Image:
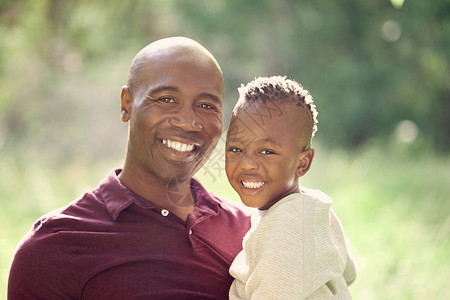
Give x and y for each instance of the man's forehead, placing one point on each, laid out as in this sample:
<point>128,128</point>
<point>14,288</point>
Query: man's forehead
<point>177,41</point>
<point>171,47</point>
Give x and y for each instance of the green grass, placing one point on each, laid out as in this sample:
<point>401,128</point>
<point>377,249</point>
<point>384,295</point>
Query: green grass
<point>393,205</point>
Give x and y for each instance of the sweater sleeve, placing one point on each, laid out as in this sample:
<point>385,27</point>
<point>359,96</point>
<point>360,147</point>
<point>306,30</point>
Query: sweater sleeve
<point>42,267</point>
<point>291,255</point>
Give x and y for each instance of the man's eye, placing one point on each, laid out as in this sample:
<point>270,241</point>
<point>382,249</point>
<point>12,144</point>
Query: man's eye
<point>167,100</point>
<point>207,106</point>
<point>267,152</point>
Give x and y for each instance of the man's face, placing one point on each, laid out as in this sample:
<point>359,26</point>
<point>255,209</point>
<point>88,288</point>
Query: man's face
<point>264,152</point>
<point>175,115</point>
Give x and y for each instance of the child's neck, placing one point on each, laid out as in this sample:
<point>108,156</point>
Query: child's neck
<point>293,190</point>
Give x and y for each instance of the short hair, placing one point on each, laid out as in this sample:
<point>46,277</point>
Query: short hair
<point>283,91</point>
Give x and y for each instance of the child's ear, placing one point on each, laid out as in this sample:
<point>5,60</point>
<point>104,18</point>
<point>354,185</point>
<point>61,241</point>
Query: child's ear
<point>304,162</point>
<point>125,104</point>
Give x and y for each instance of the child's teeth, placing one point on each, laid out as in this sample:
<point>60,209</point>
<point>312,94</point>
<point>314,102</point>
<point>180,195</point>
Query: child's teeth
<point>253,184</point>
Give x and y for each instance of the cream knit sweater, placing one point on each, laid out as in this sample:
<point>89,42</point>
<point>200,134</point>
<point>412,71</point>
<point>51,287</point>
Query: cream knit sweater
<point>294,250</point>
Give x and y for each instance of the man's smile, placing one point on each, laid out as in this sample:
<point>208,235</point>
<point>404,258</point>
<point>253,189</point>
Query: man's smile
<point>178,146</point>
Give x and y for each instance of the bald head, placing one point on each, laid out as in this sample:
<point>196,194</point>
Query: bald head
<point>172,47</point>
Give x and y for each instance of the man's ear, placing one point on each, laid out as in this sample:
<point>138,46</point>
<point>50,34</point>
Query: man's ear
<point>304,161</point>
<point>125,103</point>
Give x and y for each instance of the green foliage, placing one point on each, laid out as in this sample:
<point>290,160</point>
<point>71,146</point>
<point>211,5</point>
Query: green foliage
<point>369,65</point>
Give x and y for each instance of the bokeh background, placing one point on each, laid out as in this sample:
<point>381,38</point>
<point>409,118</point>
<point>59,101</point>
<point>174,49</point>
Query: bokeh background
<point>378,71</point>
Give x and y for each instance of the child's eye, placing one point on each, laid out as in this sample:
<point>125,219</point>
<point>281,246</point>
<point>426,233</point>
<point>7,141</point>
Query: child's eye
<point>234,149</point>
<point>267,152</point>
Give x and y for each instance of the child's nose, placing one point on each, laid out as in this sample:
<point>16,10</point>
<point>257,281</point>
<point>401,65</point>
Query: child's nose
<point>248,162</point>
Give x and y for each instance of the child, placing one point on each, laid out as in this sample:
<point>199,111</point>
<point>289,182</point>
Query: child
<point>296,247</point>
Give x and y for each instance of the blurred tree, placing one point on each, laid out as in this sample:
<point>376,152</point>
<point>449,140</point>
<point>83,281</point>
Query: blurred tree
<point>366,63</point>
<point>369,65</point>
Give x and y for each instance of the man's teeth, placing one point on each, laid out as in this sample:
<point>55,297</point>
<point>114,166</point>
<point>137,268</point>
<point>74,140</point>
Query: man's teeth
<point>181,147</point>
<point>253,184</point>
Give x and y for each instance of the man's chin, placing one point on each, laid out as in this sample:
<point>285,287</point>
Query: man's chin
<point>179,173</point>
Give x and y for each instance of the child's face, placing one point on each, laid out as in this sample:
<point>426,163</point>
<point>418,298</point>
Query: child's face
<point>264,152</point>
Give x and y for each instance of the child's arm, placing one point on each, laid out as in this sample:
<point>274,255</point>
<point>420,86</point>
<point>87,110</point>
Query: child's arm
<point>291,255</point>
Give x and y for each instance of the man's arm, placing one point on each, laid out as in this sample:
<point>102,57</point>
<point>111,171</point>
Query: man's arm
<point>42,267</point>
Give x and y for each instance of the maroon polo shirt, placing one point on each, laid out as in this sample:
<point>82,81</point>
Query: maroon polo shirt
<point>112,244</point>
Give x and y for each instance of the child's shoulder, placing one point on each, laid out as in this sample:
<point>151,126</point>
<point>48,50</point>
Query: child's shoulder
<point>317,195</point>
<point>307,208</point>
<point>307,199</point>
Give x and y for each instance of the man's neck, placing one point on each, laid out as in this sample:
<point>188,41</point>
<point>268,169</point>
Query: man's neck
<point>172,195</point>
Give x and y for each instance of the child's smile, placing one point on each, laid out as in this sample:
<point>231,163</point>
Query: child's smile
<point>252,184</point>
<point>263,153</point>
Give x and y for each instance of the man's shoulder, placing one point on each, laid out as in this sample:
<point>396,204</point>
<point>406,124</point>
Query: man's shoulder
<point>86,209</point>
<point>233,206</point>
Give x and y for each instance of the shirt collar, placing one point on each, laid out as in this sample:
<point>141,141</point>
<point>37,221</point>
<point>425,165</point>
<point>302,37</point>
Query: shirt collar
<point>206,202</point>
<point>118,197</point>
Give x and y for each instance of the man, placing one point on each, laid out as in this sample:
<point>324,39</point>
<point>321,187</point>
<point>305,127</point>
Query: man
<point>149,231</point>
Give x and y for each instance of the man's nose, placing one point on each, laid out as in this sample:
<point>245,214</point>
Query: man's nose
<point>186,119</point>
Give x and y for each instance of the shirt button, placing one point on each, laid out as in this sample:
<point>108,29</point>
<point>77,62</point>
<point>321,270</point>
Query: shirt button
<point>190,231</point>
<point>165,212</point>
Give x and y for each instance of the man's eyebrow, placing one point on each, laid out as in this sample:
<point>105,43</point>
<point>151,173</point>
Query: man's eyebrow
<point>161,89</point>
<point>213,97</point>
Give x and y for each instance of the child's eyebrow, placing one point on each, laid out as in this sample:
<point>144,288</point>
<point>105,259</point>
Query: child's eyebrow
<point>233,139</point>
<point>236,139</point>
<point>268,141</point>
